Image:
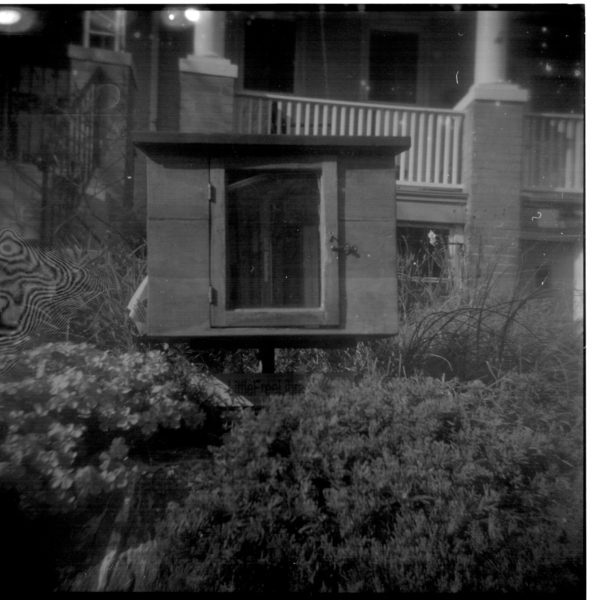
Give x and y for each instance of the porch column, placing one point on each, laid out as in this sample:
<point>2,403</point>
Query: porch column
<point>492,159</point>
<point>209,33</point>
<point>491,47</point>
<point>207,78</point>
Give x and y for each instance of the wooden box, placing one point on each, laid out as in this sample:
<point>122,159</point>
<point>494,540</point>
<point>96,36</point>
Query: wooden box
<point>284,241</point>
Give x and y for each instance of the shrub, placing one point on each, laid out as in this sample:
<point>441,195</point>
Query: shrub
<point>392,486</point>
<point>120,271</point>
<point>66,428</point>
<point>468,337</point>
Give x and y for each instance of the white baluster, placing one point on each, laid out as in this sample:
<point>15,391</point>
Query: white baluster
<point>412,150</point>
<point>396,123</point>
<point>342,120</point>
<point>420,143</point>
<point>438,139</point>
<point>307,118</point>
<point>429,147</point>
<point>447,151</point>
<point>456,178</point>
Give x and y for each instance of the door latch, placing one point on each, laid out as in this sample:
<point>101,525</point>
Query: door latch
<point>347,249</point>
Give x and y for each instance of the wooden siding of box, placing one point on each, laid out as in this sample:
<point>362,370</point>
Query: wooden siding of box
<point>368,222</point>
<point>179,254</point>
<point>178,248</point>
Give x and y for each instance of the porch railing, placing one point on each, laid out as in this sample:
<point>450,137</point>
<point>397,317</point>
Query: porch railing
<point>553,152</point>
<point>434,158</point>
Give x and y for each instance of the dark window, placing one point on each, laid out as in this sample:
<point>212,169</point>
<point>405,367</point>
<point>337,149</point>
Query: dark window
<point>393,67</point>
<point>273,242</point>
<point>269,47</point>
<point>557,94</point>
<point>422,251</point>
<point>272,258</point>
<point>105,29</point>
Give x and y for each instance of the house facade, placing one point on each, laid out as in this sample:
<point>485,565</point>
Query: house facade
<point>492,101</point>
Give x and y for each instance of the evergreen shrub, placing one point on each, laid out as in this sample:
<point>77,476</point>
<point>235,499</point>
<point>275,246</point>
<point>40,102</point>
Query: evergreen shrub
<point>391,485</point>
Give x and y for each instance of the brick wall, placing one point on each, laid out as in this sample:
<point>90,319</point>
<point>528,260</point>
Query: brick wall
<point>492,163</point>
<point>206,103</point>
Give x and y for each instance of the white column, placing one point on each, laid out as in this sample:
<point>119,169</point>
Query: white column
<point>490,67</point>
<point>491,47</point>
<point>209,34</point>
<point>209,45</point>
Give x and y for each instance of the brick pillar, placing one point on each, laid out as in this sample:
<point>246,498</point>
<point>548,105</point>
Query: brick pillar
<point>492,176</point>
<point>207,79</point>
<point>207,95</point>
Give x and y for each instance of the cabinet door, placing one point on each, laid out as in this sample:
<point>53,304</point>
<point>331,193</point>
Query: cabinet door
<point>272,226</point>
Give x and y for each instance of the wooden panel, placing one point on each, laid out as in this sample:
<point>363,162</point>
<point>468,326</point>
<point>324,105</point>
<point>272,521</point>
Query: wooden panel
<point>369,188</point>
<point>178,192</point>
<point>218,244</point>
<point>178,249</point>
<point>371,306</point>
<point>329,261</point>
<point>435,212</point>
<point>371,277</point>
<point>177,307</point>
<point>178,257</point>
<point>272,317</point>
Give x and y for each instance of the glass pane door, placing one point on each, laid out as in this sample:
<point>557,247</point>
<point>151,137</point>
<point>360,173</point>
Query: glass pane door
<point>273,239</point>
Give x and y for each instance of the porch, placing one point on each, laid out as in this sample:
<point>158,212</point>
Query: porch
<point>553,144</point>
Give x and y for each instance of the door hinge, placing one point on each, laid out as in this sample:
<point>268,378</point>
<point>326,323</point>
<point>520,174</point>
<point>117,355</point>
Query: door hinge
<point>212,295</point>
<point>210,193</point>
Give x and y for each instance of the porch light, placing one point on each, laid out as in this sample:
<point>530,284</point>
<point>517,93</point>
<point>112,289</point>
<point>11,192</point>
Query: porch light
<point>192,14</point>
<point>176,18</point>
<point>9,16</point>
<point>14,19</point>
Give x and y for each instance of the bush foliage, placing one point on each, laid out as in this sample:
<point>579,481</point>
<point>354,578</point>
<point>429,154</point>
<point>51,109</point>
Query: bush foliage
<point>120,272</point>
<point>67,427</point>
<point>393,485</point>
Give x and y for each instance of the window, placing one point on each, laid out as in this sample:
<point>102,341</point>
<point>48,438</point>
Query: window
<point>423,252</point>
<point>393,67</point>
<point>273,239</point>
<point>272,260</point>
<point>104,29</point>
<point>269,47</point>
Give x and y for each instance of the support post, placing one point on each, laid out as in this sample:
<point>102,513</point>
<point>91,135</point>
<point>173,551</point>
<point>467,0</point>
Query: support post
<point>267,358</point>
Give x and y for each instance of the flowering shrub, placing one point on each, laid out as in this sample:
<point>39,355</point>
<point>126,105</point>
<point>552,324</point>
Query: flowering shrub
<point>389,486</point>
<point>67,427</point>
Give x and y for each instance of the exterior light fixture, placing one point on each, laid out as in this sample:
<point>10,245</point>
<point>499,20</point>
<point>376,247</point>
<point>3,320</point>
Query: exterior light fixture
<point>14,19</point>
<point>178,18</point>
<point>192,14</point>
<point>10,16</point>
